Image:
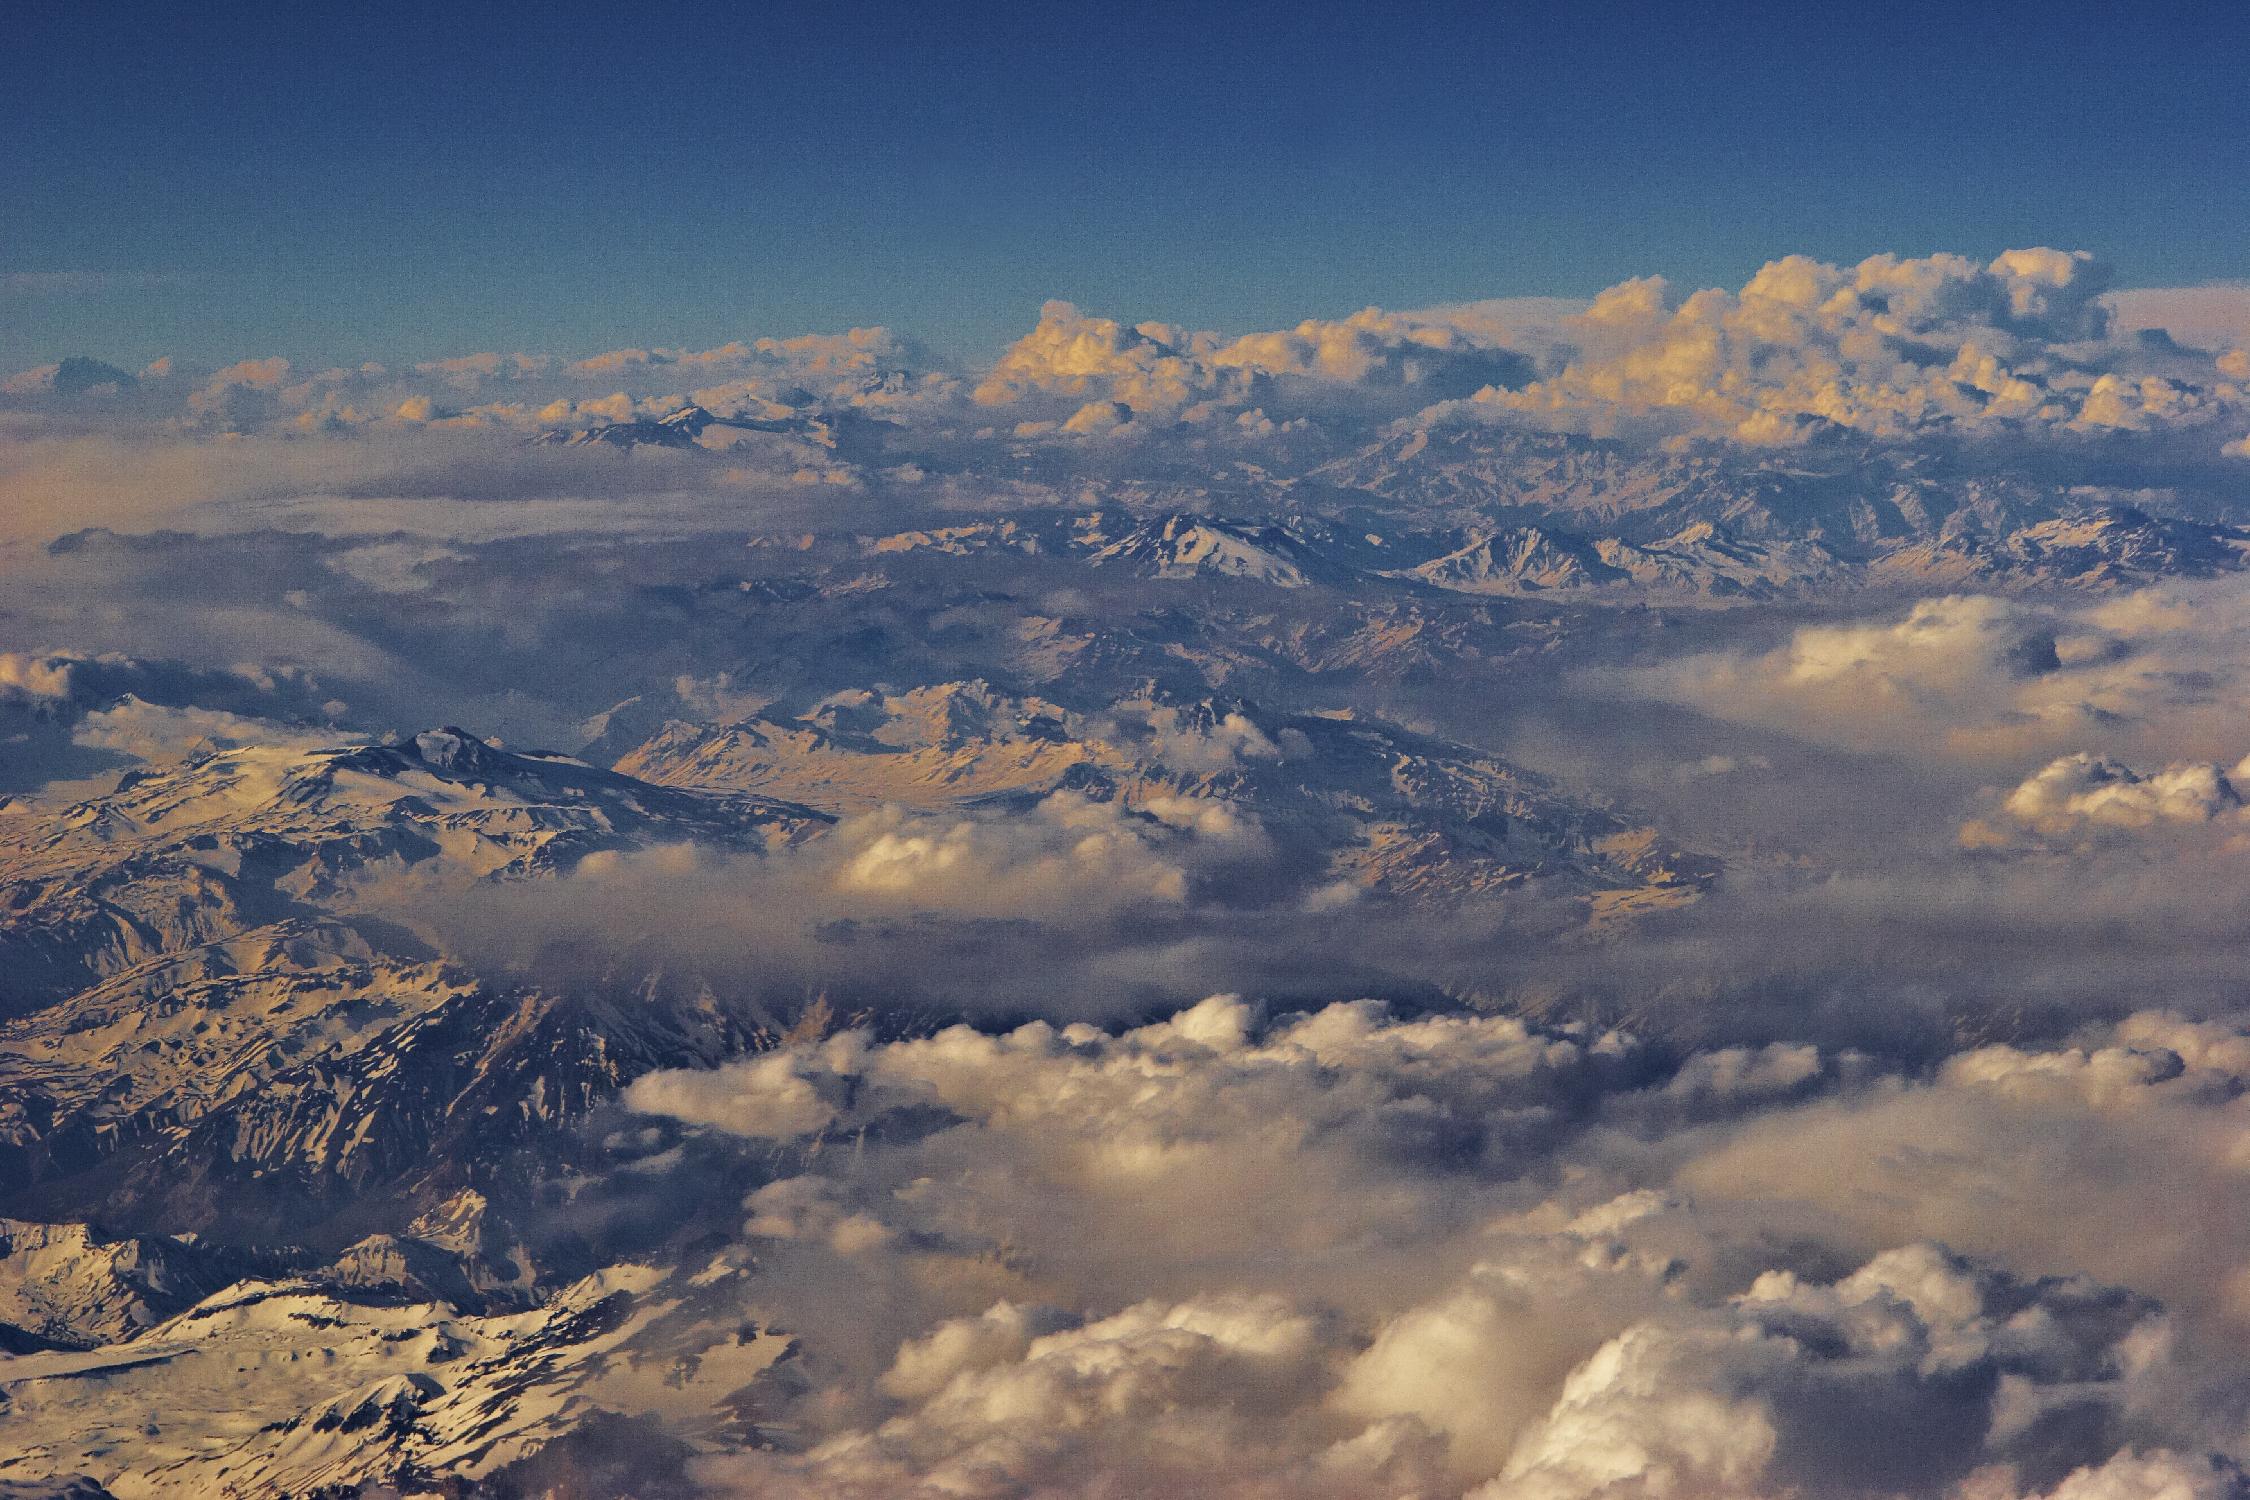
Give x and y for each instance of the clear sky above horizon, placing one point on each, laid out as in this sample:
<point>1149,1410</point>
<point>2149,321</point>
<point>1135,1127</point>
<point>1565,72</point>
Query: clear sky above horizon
<point>413,180</point>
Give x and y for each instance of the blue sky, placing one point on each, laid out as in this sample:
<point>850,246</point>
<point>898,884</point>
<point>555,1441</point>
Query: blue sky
<point>340,183</point>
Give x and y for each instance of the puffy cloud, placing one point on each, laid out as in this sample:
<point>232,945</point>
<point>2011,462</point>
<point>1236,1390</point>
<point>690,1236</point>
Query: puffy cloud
<point>1135,1164</point>
<point>1054,1260</point>
<point>1891,347</point>
<point>1066,904</point>
<point>1066,852</point>
<point>778,1095</point>
<point>79,681</point>
<point>1480,1364</point>
<point>242,393</point>
<point>773,379</point>
<point>1150,1399</point>
<point>2142,674</point>
<point>157,733</point>
<point>1939,1364</point>
<point>1151,368</point>
<point>1198,744</point>
<point>37,679</point>
<point>2080,793</point>
<point>857,351</point>
<point>1056,1256</point>
<point>2159,1475</point>
<point>2143,1120</point>
<point>1142,1161</point>
<point>1113,374</point>
<point>1427,351</point>
<point>1949,662</point>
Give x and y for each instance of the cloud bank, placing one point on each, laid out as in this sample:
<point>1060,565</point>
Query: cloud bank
<point>1507,1263</point>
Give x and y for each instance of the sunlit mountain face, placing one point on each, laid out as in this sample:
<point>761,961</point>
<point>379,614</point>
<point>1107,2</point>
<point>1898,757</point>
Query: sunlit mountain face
<point>1623,875</point>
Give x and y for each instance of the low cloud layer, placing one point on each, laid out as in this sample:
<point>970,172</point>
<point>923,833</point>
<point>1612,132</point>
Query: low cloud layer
<point>1984,679</point>
<point>1510,1262</point>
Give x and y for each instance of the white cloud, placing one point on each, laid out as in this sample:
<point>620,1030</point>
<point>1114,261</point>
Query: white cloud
<point>29,678</point>
<point>2144,674</point>
<point>1064,1262</point>
<point>2214,317</point>
<point>1895,1379</point>
<point>243,393</point>
<point>1067,853</point>
<point>1106,374</point>
<point>1891,347</point>
<point>2143,1123</point>
<point>1152,1398</point>
<point>157,733</point>
<point>778,1095</point>
<point>2080,793</point>
<point>2160,1475</point>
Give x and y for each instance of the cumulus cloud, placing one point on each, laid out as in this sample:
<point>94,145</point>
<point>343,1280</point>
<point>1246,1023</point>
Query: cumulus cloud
<point>69,721</point>
<point>1198,744</point>
<point>1948,665</point>
<point>1131,1169</point>
<point>73,680</point>
<point>2143,1121</point>
<point>1069,354</point>
<point>1941,1366</point>
<point>2159,1475</point>
<point>1982,678</point>
<point>856,352</point>
<point>1070,850</point>
<point>1055,1259</point>
<point>37,679</point>
<point>2080,794</point>
<point>156,733</point>
<point>1106,374</point>
<point>1891,348</point>
<point>233,395</point>
<point>1147,1401</point>
<point>472,371</point>
<point>779,1096</point>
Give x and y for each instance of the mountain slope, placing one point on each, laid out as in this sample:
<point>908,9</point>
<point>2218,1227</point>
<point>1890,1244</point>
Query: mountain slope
<point>1366,801</point>
<point>240,838</point>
